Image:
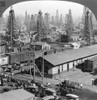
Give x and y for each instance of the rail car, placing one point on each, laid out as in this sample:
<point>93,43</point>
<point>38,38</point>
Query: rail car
<point>16,58</point>
<point>90,65</point>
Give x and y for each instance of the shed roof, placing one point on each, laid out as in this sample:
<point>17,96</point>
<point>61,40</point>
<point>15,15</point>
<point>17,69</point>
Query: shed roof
<point>38,43</point>
<point>18,94</point>
<point>71,55</point>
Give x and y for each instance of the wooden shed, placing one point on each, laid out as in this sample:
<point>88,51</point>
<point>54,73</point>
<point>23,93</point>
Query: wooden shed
<point>64,61</point>
<point>19,94</point>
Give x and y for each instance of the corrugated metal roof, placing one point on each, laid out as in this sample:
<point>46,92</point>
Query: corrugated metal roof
<point>71,55</point>
<point>18,94</point>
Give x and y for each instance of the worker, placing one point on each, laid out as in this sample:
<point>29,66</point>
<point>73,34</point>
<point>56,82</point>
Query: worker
<point>92,82</point>
<point>81,85</point>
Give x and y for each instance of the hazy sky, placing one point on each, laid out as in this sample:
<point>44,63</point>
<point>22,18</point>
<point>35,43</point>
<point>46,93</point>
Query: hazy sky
<point>32,7</point>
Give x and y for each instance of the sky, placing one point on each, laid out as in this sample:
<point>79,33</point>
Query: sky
<point>32,7</point>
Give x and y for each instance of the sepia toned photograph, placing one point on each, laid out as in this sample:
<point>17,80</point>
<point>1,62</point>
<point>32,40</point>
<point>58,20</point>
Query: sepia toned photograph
<point>48,50</point>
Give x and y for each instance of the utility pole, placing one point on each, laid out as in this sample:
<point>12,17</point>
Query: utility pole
<point>43,67</point>
<point>32,53</point>
<point>34,65</point>
<point>34,62</point>
<point>11,32</point>
<point>43,63</point>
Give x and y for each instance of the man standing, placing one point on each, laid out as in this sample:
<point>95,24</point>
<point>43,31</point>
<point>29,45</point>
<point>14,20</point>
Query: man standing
<point>92,82</point>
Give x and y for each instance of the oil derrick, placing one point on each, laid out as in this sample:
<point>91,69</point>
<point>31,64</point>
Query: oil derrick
<point>83,17</point>
<point>40,27</point>
<point>57,18</point>
<point>46,20</point>
<point>27,21</point>
<point>92,39</point>
<point>69,26</point>
<point>32,23</point>
<point>88,28</point>
<point>61,20</point>
<point>53,21</point>
<point>46,23</point>
<point>12,32</point>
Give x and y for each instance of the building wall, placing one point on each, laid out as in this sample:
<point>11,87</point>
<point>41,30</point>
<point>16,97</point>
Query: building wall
<point>4,60</point>
<point>53,70</point>
<point>46,46</point>
<point>95,65</point>
<point>61,68</point>
<point>2,49</point>
<point>64,67</point>
<point>75,63</point>
<point>70,65</point>
<point>50,71</point>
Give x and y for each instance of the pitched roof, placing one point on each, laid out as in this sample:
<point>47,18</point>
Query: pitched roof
<point>38,43</point>
<point>18,94</point>
<point>71,55</point>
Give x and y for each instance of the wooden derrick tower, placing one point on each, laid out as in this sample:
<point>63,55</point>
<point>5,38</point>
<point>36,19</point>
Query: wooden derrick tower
<point>40,26</point>
<point>88,28</point>
<point>11,30</point>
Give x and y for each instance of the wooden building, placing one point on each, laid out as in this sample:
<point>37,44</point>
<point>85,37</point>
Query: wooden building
<point>19,94</point>
<point>40,45</point>
<point>2,49</point>
<point>64,61</point>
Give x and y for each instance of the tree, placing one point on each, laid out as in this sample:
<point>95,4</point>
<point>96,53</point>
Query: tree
<point>32,23</point>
